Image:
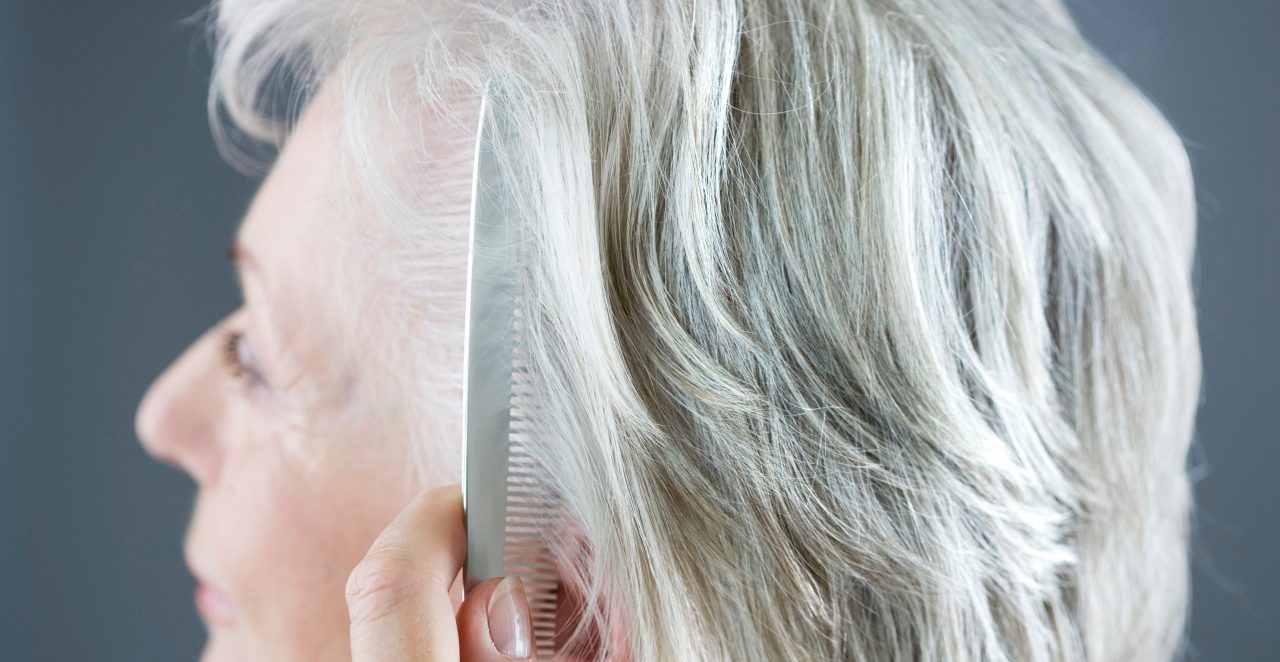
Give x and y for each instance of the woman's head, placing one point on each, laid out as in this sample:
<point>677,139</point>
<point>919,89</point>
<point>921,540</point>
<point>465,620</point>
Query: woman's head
<point>860,330</point>
<point>290,419</point>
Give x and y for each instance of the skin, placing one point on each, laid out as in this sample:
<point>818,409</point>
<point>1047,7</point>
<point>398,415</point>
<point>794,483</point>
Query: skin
<point>297,455</point>
<point>399,595</point>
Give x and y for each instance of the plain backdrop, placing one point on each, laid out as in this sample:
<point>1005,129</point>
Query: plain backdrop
<point>115,211</point>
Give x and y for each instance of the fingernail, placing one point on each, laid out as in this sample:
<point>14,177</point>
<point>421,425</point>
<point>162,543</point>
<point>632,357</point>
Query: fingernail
<point>509,626</point>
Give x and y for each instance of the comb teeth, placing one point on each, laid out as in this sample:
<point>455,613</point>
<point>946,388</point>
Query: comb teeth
<point>528,506</point>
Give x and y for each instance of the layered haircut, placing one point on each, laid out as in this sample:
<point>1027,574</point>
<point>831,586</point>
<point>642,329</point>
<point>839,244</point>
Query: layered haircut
<point>861,329</point>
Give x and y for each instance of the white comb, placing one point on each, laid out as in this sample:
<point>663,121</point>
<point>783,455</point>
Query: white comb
<point>502,490</point>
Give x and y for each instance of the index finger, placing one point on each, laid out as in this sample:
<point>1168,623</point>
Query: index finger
<point>398,596</point>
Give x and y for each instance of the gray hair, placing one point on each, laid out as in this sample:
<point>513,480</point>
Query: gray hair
<point>861,329</point>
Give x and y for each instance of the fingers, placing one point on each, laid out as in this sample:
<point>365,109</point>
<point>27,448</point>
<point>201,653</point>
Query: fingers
<point>399,601</point>
<point>494,622</point>
<point>398,596</point>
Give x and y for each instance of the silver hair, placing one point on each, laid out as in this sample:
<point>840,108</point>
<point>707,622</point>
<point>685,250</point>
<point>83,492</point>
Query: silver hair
<point>862,329</point>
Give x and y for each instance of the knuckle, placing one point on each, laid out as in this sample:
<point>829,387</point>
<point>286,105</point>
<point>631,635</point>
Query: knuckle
<point>380,583</point>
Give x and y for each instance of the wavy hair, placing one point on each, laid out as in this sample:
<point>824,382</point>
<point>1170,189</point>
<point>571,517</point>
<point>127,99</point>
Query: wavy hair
<point>860,329</point>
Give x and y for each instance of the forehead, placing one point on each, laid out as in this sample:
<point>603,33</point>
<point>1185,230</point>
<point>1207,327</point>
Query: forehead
<point>294,209</point>
<point>306,210</point>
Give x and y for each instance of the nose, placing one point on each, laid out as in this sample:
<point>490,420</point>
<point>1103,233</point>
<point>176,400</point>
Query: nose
<point>179,420</point>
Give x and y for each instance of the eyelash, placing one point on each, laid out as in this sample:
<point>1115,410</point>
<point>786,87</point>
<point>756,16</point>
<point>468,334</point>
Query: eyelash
<point>244,372</point>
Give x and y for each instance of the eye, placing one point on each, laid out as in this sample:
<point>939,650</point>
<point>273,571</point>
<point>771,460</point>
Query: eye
<point>240,359</point>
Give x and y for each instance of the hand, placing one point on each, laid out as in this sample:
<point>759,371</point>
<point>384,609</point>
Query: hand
<point>399,602</point>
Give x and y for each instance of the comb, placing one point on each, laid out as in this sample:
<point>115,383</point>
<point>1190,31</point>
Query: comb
<point>502,492</point>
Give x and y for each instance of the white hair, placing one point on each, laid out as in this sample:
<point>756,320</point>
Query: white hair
<point>861,329</point>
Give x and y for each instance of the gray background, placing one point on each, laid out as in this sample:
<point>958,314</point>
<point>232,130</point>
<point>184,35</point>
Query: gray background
<point>115,211</point>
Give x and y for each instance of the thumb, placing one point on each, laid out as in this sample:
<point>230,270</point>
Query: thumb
<point>494,623</point>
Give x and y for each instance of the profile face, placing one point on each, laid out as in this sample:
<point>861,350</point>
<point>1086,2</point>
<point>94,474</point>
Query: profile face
<point>292,434</point>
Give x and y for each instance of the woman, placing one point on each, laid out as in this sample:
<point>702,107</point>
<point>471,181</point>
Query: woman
<point>863,330</point>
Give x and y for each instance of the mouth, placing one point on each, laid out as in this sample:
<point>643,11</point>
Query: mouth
<point>215,607</point>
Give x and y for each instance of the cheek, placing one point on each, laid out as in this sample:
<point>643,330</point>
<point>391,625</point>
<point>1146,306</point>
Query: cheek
<point>293,532</point>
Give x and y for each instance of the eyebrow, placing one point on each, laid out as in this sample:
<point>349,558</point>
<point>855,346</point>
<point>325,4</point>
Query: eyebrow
<point>236,254</point>
<point>244,261</point>
<point>240,257</point>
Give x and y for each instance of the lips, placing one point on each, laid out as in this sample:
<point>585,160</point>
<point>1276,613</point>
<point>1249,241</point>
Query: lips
<point>215,607</point>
